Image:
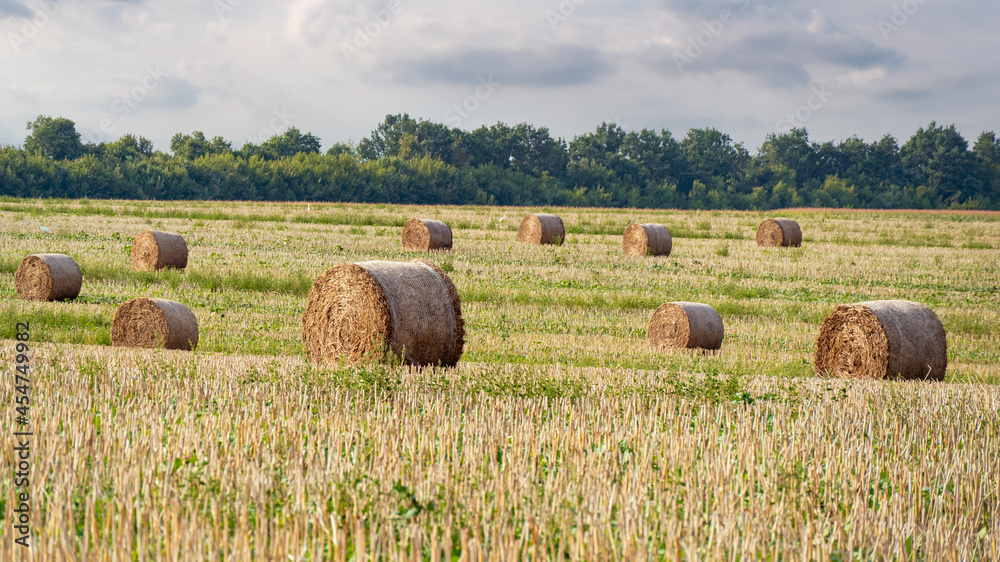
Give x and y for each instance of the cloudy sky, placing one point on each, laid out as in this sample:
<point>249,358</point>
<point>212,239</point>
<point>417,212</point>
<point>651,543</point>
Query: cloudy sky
<point>245,69</point>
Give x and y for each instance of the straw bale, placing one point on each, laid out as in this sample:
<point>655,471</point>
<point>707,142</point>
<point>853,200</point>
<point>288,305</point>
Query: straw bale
<point>647,240</point>
<point>882,339</point>
<point>153,250</point>
<point>48,277</point>
<point>425,235</point>
<point>779,232</point>
<point>685,325</point>
<point>145,322</point>
<point>541,228</point>
<point>358,311</point>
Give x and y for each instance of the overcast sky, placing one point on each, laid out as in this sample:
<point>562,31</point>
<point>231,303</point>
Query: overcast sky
<point>245,69</point>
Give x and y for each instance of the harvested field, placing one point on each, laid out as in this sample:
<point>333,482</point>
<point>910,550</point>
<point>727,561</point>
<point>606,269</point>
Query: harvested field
<point>559,432</point>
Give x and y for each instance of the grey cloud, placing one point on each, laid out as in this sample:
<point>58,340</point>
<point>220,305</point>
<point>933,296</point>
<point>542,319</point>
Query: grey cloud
<point>174,93</point>
<point>13,8</point>
<point>556,66</point>
<point>778,57</point>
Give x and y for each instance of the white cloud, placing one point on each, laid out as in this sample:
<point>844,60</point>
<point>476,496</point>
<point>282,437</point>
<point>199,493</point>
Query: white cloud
<point>230,69</point>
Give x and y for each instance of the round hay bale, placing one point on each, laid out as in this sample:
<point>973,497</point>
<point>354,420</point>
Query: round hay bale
<point>647,240</point>
<point>685,325</point>
<point>882,339</point>
<point>541,228</point>
<point>153,323</point>
<point>152,250</point>
<point>425,235</point>
<point>358,311</point>
<point>48,277</point>
<point>779,232</point>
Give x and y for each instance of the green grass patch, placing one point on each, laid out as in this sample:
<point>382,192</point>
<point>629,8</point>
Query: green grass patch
<point>54,323</point>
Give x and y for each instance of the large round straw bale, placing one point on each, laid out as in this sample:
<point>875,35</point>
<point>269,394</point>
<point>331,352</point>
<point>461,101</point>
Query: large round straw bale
<point>154,250</point>
<point>362,310</point>
<point>685,325</point>
<point>541,228</point>
<point>647,240</point>
<point>424,235</point>
<point>48,277</point>
<point>143,322</point>
<point>882,339</point>
<point>779,232</point>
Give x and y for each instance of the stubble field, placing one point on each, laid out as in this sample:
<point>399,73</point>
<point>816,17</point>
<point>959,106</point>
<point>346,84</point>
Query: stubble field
<point>561,434</point>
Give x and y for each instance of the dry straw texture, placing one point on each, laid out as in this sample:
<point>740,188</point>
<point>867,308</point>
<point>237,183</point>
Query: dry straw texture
<point>424,235</point>
<point>48,277</point>
<point>685,325</point>
<point>154,250</point>
<point>541,228</point>
<point>358,310</point>
<point>882,339</point>
<point>143,322</point>
<point>647,240</point>
<point>779,232</point>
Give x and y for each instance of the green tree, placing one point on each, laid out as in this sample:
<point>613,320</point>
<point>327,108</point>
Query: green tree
<point>939,158</point>
<point>711,153</point>
<point>987,149</point>
<point>54,138</point>
<point>289,143</point>
<point>195,145</point>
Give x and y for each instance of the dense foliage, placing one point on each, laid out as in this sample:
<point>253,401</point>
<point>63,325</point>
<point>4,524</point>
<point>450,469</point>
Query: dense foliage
<point>415,161</point>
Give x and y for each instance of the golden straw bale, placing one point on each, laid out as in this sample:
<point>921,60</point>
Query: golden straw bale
<point>882,339</point>
<point>153,250</point>
<point>144,322</point>
<point>48,277</point>
<point>647,240</point>
<point>685,325</point>
<point>779,232</point>
<point>541,228</point>
<point>358,311</point>
<point>425,235</point>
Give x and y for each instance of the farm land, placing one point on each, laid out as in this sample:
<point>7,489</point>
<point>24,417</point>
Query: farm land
<point>560,435</point>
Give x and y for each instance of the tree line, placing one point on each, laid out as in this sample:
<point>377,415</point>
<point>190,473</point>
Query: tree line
<point>406,160</point>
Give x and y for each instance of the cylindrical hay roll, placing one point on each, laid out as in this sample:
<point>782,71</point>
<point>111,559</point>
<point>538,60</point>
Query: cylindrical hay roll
<point>143,322</point>
<point>361,310</point>
<point>48,277</point>
<point>153,250</point>
<point>425,235</point>
<point>685,325</point>
<point>541,228</point>
<point>647,240</point>
<point>779,232</point>
<point>882,339</point>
